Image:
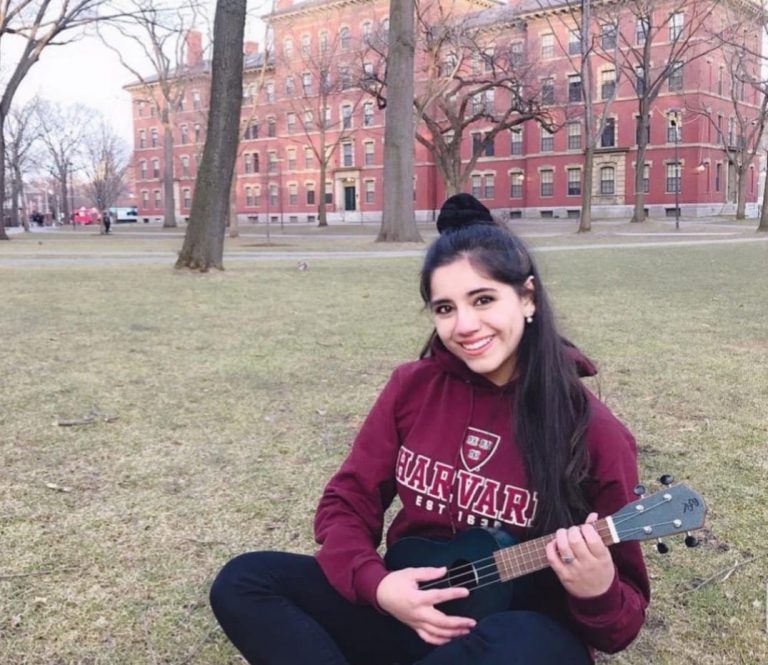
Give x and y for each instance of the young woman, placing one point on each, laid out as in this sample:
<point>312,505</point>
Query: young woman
<point>491,427</point>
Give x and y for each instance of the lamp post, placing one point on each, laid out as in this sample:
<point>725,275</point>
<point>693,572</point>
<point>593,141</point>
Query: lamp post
<point>675,122</point>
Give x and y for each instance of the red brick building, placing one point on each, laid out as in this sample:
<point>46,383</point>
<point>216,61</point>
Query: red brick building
<point>306,101</point>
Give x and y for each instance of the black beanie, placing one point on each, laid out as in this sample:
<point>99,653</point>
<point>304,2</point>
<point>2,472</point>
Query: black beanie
<point>462,210</point>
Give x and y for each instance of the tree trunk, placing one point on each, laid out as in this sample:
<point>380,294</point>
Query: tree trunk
<point>398,223</point>
<point>203,247</point>
<point>3,234</point>
<point>638,214</point>
<point>585,221</point>
<point>741,191</point>
<point>169,198</point>
<point>65,202</point>
<point>15,190</point>
<point>322,209</point>
<point>763,224</point>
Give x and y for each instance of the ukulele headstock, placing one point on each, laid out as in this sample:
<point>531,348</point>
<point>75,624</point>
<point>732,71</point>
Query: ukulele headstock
<point>672,509</point>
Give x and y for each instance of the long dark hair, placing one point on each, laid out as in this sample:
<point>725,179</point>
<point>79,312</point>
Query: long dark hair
<point>550,404</point>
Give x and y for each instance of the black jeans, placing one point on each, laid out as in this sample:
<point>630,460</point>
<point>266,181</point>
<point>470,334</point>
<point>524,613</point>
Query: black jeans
<point>279,609</point>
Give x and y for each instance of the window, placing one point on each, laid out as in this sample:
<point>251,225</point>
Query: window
<point>198,134</point>
<point>720,81</point>
<point>158,199</point>
<point>140,109</point>
<point>290,121</point>
<point>142,139</point>
<point>309,190</point>
<point>344,38</point>
<point>481,144</point>
<point>574,42</point>
<point>370,191</point>
<point>674,133</point>
<point>309,158</point>
<point>675,80</point>
<point>673,177</point>
<point>273,195</point>
<point>308,119</point>
<point>547,184</point>
<point>368,153</point>
<point>144,198</point>
<point>346,116</point>
<point>252,131</point>
<point>719,129</point>
<point>180,103</point>
<point>153,139</point>
<point>271,162</point>
<point>251,162</point>
<point>646,178</point>
<point>718,176</point>
<point>607,180</point>
<point>574,135</point>
<point>289,86</point>
<point>607,83</point>
<point>271,127</point>
<point>293,194</point>
<point>306,83</point>
<point>345,78</point>
<point>608,36</point>
<point>489,189</point>
<point>731,125</point>
<point>477,186</point>
<point>196,103</point>
<point>184,166</point>
<point>548,91</point>
<point>676,25</point>
<point>516,141</point>
<point>640,80</point>
<point>608,137</point>
<point>367,114</point>
<point>574,88</point>
<point>143,169</point>
<point>547,140</point>
<point>347,154</point>
<point>515,185</point>
<point>516,53</point>
<point>323,41</point>
<point>269,91</point>
<point>155,168</point>
<point>288,48</point>
<point>326,116</point>
<point>547,45</point>
<point>574,182</point>
<point>291,159</point>
<point>306,44</point>
<point>642,26</point>
<point>249,197</point>
<point>367,32</point>
<point>186,197</point>
<point>328,192</point>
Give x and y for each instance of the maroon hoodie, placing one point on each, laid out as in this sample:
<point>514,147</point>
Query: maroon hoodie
<point>440,438</point>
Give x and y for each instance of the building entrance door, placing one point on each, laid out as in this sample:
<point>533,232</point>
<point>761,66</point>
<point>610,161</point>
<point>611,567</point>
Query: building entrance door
<point>349,197</point>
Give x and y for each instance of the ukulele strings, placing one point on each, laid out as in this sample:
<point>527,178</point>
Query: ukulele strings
<point>478,571</point>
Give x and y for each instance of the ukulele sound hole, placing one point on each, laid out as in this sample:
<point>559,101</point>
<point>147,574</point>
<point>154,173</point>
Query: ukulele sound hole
<point>463,573</point>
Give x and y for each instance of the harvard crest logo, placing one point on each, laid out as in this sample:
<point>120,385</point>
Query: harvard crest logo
<point>478,448</point>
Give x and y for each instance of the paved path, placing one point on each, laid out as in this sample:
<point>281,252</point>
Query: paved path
<point>33,258</point>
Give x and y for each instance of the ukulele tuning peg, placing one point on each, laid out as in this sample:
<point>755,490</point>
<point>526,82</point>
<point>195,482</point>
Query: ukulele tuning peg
<point>667,479</point>
<point>661,546</point>
<point>691,540</point>
<point>640,490</point>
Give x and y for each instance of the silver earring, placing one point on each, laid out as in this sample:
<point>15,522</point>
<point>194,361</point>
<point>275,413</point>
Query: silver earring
<point>529,319</point>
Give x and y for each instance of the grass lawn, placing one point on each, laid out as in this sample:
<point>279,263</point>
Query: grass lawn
<point>233,396</point>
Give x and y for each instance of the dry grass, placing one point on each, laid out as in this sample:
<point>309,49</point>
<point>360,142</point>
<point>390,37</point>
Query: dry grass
<point>236,395</point>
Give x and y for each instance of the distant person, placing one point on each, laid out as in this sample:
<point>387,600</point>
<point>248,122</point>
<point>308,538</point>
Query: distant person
<point>106,219</point>
<point>490,427</point>
<point>37,218</point>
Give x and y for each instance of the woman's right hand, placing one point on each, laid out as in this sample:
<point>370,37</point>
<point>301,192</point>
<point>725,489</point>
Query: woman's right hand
<point>398,594</point>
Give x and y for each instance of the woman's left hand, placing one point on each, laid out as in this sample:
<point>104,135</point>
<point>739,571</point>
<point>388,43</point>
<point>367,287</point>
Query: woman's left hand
<point>581,560</point>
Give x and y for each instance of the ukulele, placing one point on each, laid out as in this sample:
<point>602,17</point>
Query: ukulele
<point>487,561</point>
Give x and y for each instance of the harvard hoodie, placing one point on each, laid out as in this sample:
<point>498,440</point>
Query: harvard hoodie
<point>440,438</point>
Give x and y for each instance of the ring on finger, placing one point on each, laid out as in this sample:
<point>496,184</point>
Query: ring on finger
<point>567,558</point>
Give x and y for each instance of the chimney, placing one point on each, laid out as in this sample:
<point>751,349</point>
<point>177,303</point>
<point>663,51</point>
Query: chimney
<point>194,45</point>
<point>249,48</point>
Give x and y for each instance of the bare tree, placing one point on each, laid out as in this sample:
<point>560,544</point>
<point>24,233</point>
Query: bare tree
<point>22,135</point>
<point>683,27</point>
<point>106,160</point>
<point>203,247</point>
<point>62,131</point>
<point>160,33</point>
<point>35,25</point>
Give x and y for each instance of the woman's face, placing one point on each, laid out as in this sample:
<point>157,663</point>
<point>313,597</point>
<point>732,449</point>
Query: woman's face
<point>478,319</point>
